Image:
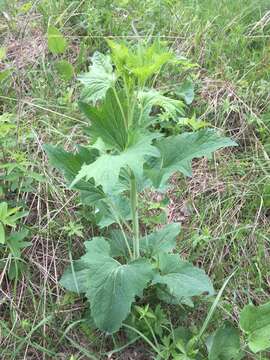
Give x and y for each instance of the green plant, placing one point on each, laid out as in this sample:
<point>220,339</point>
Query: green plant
<point>254,322</point>
<point>13,241</point>
<point>154,327</point>
<point>185,343</point>
<point>181,343</point>
<point>15,171</point>
<point>123,158</point>
<point>57,44</point>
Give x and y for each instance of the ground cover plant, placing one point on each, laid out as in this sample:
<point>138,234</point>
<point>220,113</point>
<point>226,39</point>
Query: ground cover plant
<point>65,67</point>
<point>12,241</point>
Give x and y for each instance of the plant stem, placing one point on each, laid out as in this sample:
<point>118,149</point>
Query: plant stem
<point>135,217</point>
<point>151,331</point>
<point>142,108</point>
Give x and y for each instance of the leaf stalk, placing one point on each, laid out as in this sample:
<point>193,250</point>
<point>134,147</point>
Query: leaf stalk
<point>135,217</point>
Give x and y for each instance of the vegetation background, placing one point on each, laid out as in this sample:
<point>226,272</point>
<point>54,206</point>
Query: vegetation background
<point>224,209</point>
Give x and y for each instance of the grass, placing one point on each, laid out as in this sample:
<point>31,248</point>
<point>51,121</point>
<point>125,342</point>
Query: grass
<point>225,220</point>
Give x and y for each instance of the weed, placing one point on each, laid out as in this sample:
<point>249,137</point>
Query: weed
<point>123,158</point>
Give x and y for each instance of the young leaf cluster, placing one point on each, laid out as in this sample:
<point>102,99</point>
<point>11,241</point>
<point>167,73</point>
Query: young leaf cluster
<point>182,343</point>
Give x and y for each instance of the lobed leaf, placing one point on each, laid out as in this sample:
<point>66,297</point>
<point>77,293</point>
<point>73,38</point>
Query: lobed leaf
<point>67,162</point>
<point>120,54</point>
<point>163,293</point>
<point>163,240</point>
<point>70,164</point>
<point>99,79</point>
<point>178,151</point>
<point>255,322</point>
<point>152,97</point>
<point>106,169</point>
<point>110,286</point>
<point>108,208</point>
<point>225,344</point>
<point>182,279</point>
<point>107,121</point>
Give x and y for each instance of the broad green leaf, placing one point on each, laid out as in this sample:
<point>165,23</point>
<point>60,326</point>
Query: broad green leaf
<point>4,74</point>
<point>16,243</point>
<point>164,294</point>
<point>65,69</point>
<point>152,97</point>
<point>70,164</point>
<point>255,322</point>
<point>3,210</point>
<point>108,209</point>
<point>107,121</point>
<point>76,277</point>
<point>225,344</point>
<point>118,244</point>
<point>9,216</point>
<point>3,53</point>
<point>2,234</point>
<point>89,193</point>
<point>110,286</point>
<point>67,162</point>
<point>111,209</point>
<point>178,151</point>
<point>113,289</point>
<point>106,169</point>
<point>12,219</point>
<point>182,278</point>
<point>57,44</point>
<point>99,79</point>
<point>163,240</point>
<point>186,92</point>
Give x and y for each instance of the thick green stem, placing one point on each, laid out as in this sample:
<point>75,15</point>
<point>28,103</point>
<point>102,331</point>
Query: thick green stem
<point>135,217</point>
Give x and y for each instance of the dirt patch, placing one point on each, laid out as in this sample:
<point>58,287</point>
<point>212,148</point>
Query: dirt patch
<point>137,352</point>
<point>24,51</point>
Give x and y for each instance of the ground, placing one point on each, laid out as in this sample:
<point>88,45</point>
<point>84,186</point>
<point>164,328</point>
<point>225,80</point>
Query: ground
<point>223,208</point>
